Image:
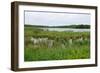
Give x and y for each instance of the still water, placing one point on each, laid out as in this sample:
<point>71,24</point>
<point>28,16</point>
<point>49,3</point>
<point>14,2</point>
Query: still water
<point>66,29</point>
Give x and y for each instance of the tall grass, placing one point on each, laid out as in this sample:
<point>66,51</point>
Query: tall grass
<point>77,50</point>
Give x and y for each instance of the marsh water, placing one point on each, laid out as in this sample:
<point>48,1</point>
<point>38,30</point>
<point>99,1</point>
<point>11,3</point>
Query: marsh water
<point>66,29</point>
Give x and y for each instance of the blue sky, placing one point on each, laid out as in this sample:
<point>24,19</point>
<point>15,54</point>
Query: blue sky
<point>55,19</point>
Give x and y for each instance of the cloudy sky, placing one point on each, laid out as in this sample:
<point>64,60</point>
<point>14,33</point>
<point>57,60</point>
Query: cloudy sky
<point>55,18</point>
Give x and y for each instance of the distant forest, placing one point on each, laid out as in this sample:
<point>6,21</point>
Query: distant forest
<point>80,26</point>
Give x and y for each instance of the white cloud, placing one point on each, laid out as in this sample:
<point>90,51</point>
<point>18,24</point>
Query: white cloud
<point>55,19</point>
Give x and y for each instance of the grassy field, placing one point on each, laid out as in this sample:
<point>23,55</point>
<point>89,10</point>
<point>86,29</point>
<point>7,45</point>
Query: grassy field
<point>66,45</point>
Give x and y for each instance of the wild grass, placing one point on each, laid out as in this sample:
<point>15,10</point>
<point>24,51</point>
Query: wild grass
<point>76,50</point>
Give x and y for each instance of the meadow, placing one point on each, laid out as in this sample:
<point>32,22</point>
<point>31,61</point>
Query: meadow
<point>42,45</point>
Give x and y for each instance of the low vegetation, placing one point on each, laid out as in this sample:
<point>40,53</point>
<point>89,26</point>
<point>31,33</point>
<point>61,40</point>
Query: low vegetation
<point>53,45</point>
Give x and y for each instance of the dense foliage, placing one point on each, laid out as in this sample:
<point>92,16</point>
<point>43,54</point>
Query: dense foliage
<point>75,50</point>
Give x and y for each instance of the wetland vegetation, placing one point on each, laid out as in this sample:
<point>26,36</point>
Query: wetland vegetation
<point>42,45</point>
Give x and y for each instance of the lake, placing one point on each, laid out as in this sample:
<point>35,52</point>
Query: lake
<point>66,29</point>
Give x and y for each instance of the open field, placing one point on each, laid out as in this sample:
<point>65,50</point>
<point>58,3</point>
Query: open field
<point>40,45</point>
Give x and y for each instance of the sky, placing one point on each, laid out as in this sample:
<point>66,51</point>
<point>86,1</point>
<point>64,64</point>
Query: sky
<point>55,18</point>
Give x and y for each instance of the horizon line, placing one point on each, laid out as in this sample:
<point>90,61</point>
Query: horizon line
<point>56,25</point>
